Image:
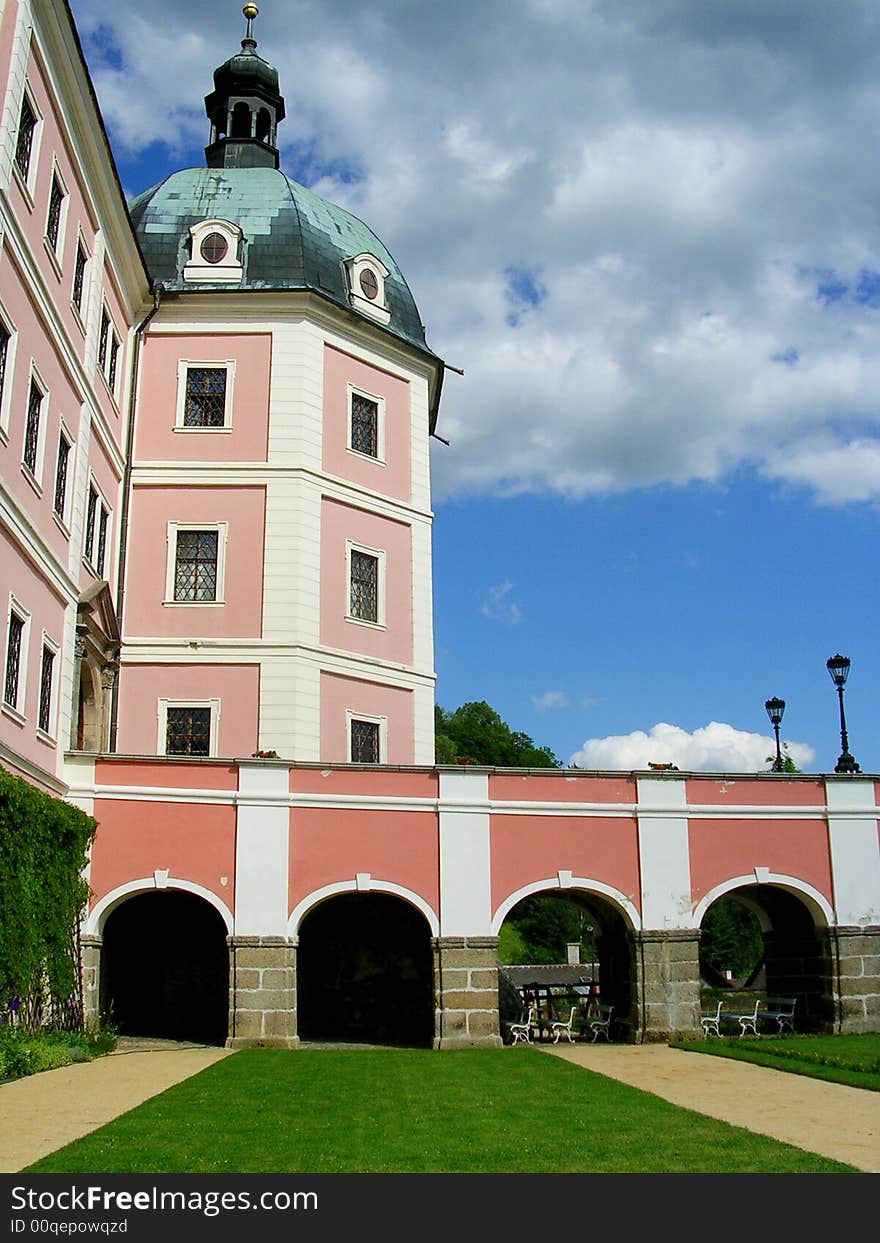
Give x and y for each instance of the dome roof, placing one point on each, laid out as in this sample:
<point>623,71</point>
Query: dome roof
<point>292,239</point>
<point>245,72</point>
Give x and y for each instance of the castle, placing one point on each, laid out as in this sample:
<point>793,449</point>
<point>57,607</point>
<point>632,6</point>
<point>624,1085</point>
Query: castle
<point>215,410</point>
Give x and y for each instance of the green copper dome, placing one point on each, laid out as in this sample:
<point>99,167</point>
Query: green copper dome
<point>292,239</point>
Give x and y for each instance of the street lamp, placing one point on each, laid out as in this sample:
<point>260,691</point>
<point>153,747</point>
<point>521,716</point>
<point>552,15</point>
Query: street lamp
<point>838,666</point>
<point>775,711</point>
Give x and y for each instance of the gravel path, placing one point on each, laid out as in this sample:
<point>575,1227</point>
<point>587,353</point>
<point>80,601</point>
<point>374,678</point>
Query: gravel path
<point>43,1112</point>
<point>828,1118</point>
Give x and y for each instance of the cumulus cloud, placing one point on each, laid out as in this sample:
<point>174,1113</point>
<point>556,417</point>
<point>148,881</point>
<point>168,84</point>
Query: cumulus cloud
<point>715,747</point>
<point>651,242</point>
<point>549,700</point>
<point>498,607</point>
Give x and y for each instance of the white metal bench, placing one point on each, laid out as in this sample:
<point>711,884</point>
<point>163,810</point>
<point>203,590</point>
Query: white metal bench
<point>782,1010</point>
<point>748,1021</point>
<point>563,1029</point>
<point>523,1031</point>
<point>710,1022</point>
<point>599,1020</point>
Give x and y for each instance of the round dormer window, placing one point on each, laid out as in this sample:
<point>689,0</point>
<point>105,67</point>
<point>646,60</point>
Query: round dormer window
<point>214,248</point>
<point>368,283</point>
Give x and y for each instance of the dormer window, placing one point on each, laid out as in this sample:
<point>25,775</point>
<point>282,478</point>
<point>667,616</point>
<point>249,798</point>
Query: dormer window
<point>366,282</point>
<point>214,254</point>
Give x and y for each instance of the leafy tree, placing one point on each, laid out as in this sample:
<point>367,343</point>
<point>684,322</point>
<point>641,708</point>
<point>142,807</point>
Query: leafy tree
<point>476,734</point>
<point>731,938</point>
<point>539,929</point>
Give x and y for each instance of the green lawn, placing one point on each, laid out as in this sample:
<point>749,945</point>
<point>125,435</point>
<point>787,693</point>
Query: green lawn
<point>853,1060</point>
<point>417,1111</point>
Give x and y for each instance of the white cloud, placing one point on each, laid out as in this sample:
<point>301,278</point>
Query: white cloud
<point>550,699</point>
<point>715,747</point>
<point>498,607</point>
<point>689,182</point>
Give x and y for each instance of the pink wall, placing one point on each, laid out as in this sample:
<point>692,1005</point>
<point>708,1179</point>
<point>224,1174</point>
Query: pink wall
<point>370,783</point>
<point>339,694</point>
<point>167,774</point>
<point>760,792</point>
<point>243,508</point>
<point>525,849</point>
<point>393,640</point>
<point>327,847</point>
<point>390,477</point>
<point>722,849</point>
<point>194,841</point>
<point>155,437</point>
<point>567,787</point>
<point>236,686</point>
<point>8,22</point>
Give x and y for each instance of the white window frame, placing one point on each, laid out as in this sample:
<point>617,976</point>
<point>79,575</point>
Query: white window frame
<point>104,368</point>
<point>63,518</point>
<point>101,505</point>
<point>55,252</point>
<point>354,391</point>
<point>51,734</point>
<point>35,476</point>
<point>15,711</point>
<point>162,713</point>
<point>376,307</point>
<point>368,718</point>
<point>222,529</point>
<point>379,553</point>
<point>8,371</point>
<point>28,184</point>
<point>184,366</point>
<point>229,269</point>
<point>80,311</point>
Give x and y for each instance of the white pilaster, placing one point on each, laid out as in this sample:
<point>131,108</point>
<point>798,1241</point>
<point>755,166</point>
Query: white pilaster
<point>262,850</point>
<point>853,844</point>
<point>664,856</point>
<point>465,881</point>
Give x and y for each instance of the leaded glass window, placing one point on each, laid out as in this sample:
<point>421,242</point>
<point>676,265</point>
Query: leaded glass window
<point>79,273</point>
<point>205,404</point>
<point>195,568</point>
<point>364,586</point>
<point>364,425</point>
<point>61,474</point>
<point>24,143</point>
<point>13,659</point>
<point>102,540</point>
<point>46,689</point>
<point>188,731</point>
<point>89,545</point>
<point>32,428</point>
<point>364,742</point>
<point>111,367</point>
<point>4,352</point>
<point>53,221</point>
<point>102,340</point>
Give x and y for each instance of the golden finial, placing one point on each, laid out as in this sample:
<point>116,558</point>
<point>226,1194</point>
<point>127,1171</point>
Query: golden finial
<point>250,11</point>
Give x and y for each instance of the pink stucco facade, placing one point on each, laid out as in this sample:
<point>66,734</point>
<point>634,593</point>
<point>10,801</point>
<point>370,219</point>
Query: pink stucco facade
<point>234,689</point>
<point>389,473</point>
<point>393,705</point>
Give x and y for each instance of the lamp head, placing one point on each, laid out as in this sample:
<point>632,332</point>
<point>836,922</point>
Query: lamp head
<point>775,710</point>
<point>838,666</point>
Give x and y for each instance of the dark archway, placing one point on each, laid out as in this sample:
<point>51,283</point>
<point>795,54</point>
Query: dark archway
<point>165,968</point>
<point>365,972</point>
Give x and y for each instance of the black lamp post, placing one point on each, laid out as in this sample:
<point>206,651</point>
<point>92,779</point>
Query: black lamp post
<point>839,666</point>
<point>775,711</point>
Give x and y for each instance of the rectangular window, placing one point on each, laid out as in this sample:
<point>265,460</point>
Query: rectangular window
<point>48,662</point>
<point>89,544</point>
<point>14,638</point>
<point>79,274</point>
<point>102,340</point>
<point>195,565</point>
<point>27,123</point>
<point>32,428</point>
<point>5,337</point>
<point>188,731</point>
<point>102,540</point>
<point>61,474</point>
<point>111,364</point>
<point>205,400</point>
<point>53,220</point>
<point>364,586</point>
<point>364,425</point>
<point>364,742</point>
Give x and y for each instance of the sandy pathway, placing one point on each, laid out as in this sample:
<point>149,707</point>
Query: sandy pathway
<point>828,1118</point>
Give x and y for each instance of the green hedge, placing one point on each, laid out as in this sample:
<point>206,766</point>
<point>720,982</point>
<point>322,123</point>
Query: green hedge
<point>44,844</point>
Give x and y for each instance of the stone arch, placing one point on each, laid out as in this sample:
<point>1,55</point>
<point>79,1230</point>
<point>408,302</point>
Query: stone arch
<point>165,965</point>
<point>361,884</point>
<point>365,969</point>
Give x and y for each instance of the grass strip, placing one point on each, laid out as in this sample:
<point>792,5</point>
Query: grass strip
<point>774,1060</point>
<point>418,1111</point>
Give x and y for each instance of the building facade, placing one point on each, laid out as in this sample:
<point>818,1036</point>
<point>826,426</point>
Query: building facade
<point>215,410</point>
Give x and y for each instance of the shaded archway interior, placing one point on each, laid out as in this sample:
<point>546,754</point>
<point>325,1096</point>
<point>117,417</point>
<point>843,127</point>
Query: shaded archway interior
<point>165,968</point>
<point>365,972</point>
<point>796,955</point>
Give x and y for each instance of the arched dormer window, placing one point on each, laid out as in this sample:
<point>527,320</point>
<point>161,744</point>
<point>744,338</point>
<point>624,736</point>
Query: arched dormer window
<point>366,286</point>
<point>215,254</point>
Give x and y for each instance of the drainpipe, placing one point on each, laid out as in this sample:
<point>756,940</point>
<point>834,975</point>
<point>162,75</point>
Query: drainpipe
<point>158,290</point>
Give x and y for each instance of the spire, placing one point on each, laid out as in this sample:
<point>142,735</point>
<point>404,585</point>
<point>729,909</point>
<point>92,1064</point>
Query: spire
<point>244,108</point>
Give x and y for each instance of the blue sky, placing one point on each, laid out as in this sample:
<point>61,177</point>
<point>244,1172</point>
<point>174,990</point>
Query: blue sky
<point>649,233</point>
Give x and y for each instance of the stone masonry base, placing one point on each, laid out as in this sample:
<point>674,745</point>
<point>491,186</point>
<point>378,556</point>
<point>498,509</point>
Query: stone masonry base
<point>262,993</point>
<point>466,992</point>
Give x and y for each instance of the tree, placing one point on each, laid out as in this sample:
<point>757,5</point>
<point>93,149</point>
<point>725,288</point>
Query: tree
<point>476,734</point>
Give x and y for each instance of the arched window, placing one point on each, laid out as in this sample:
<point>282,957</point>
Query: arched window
<point>241,121</point>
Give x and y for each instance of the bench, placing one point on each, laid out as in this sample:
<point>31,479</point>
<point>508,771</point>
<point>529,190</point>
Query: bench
<point>748,1020</point>
<point>782,1010</point>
